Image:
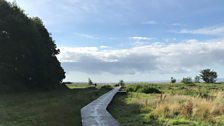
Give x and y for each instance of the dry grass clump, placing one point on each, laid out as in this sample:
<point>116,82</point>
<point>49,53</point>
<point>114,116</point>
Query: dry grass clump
<point>190,107</point>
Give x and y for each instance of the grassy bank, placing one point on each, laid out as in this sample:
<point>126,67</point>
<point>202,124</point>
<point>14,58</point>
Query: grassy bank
<point>52,108</point>
<point>170,104</point>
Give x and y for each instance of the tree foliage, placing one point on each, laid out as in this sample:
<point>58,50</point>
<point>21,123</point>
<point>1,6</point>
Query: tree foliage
<point>173,80</point>
<point>187,80</point>
<point>197,79</point>
<point>90,82</point>
<point>121,83</point>
<point>27,51</point>
<point>209,76</point>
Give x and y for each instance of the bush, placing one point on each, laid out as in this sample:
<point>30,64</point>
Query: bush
<point>90,82</point>
<point>173,80</point>
<point>197,79</point>
<point>115,85</point>
<point>133,88</point>
<point>148,90</point>
<point>142,89</point>
<point>187,80</point>
<point>121,83</point>
<point>106,87</point>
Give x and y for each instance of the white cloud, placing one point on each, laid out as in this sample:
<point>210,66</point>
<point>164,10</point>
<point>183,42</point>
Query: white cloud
<point>178,24</point>
<point>214,30</point>
<point>104,47</point>
<point>140,38</point>
<point>151,22</point>
<point>87,36</point>
<point>154,58</point>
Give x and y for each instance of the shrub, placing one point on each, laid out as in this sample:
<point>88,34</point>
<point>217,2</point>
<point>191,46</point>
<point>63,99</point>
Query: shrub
<point>106,87</point>
<point>173,80</point>
<point>148,90</point>
<point>121,83</point>
<point>204,95</point>
<point>133,88</point>
<point>187,80</point>
<point>130,89</point>
<point>90,82</point>
<point>115,85</point>
<point>197,79</point>
<point>142,89</point>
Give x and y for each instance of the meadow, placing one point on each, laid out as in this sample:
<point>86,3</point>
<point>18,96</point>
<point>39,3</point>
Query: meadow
<point>170,104</point>
<point>144,105</point>
<point>47,108</point>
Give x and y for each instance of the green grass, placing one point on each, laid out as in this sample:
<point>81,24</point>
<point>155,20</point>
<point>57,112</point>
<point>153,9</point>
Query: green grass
<point>77,86</point>
<point>52,108</point>
<point>181,89</point>
<point>140,108</point>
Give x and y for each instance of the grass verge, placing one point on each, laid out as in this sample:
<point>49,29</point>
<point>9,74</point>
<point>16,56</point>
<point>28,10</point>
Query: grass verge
<point>52,108</point>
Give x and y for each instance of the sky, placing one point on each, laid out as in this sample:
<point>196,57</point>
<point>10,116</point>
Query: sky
<point>134,40</point>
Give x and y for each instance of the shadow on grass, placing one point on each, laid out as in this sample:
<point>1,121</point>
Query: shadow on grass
<point>131,114</point>
<point>46,108</point>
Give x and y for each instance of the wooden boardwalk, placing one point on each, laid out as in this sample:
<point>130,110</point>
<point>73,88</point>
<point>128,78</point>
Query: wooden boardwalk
<point>95,113</point>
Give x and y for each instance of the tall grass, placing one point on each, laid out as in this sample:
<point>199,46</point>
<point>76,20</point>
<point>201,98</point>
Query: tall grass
<point>177,104</point>
<point>188,107</point>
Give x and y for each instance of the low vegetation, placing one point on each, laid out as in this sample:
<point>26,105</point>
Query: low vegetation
<point>143,89</point>
<point>177,104</point>
<point>187,80</point>
<point>46,108</point>
<point>32,92</point>
<point>109,87</point>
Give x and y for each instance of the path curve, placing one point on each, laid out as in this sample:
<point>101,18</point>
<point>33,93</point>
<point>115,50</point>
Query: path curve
<point>95,113</point>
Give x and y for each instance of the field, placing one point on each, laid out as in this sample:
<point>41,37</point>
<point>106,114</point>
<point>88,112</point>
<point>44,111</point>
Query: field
<point>52,108</point>
<point>144,105</point>
<point>170,104</point>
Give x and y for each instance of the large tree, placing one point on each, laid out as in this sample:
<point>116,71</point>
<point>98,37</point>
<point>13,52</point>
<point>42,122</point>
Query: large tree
<point>27,51</point>
<point>209,76</point>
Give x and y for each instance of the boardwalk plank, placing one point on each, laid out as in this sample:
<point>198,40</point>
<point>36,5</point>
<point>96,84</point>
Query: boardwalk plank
<point>95,113</point>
